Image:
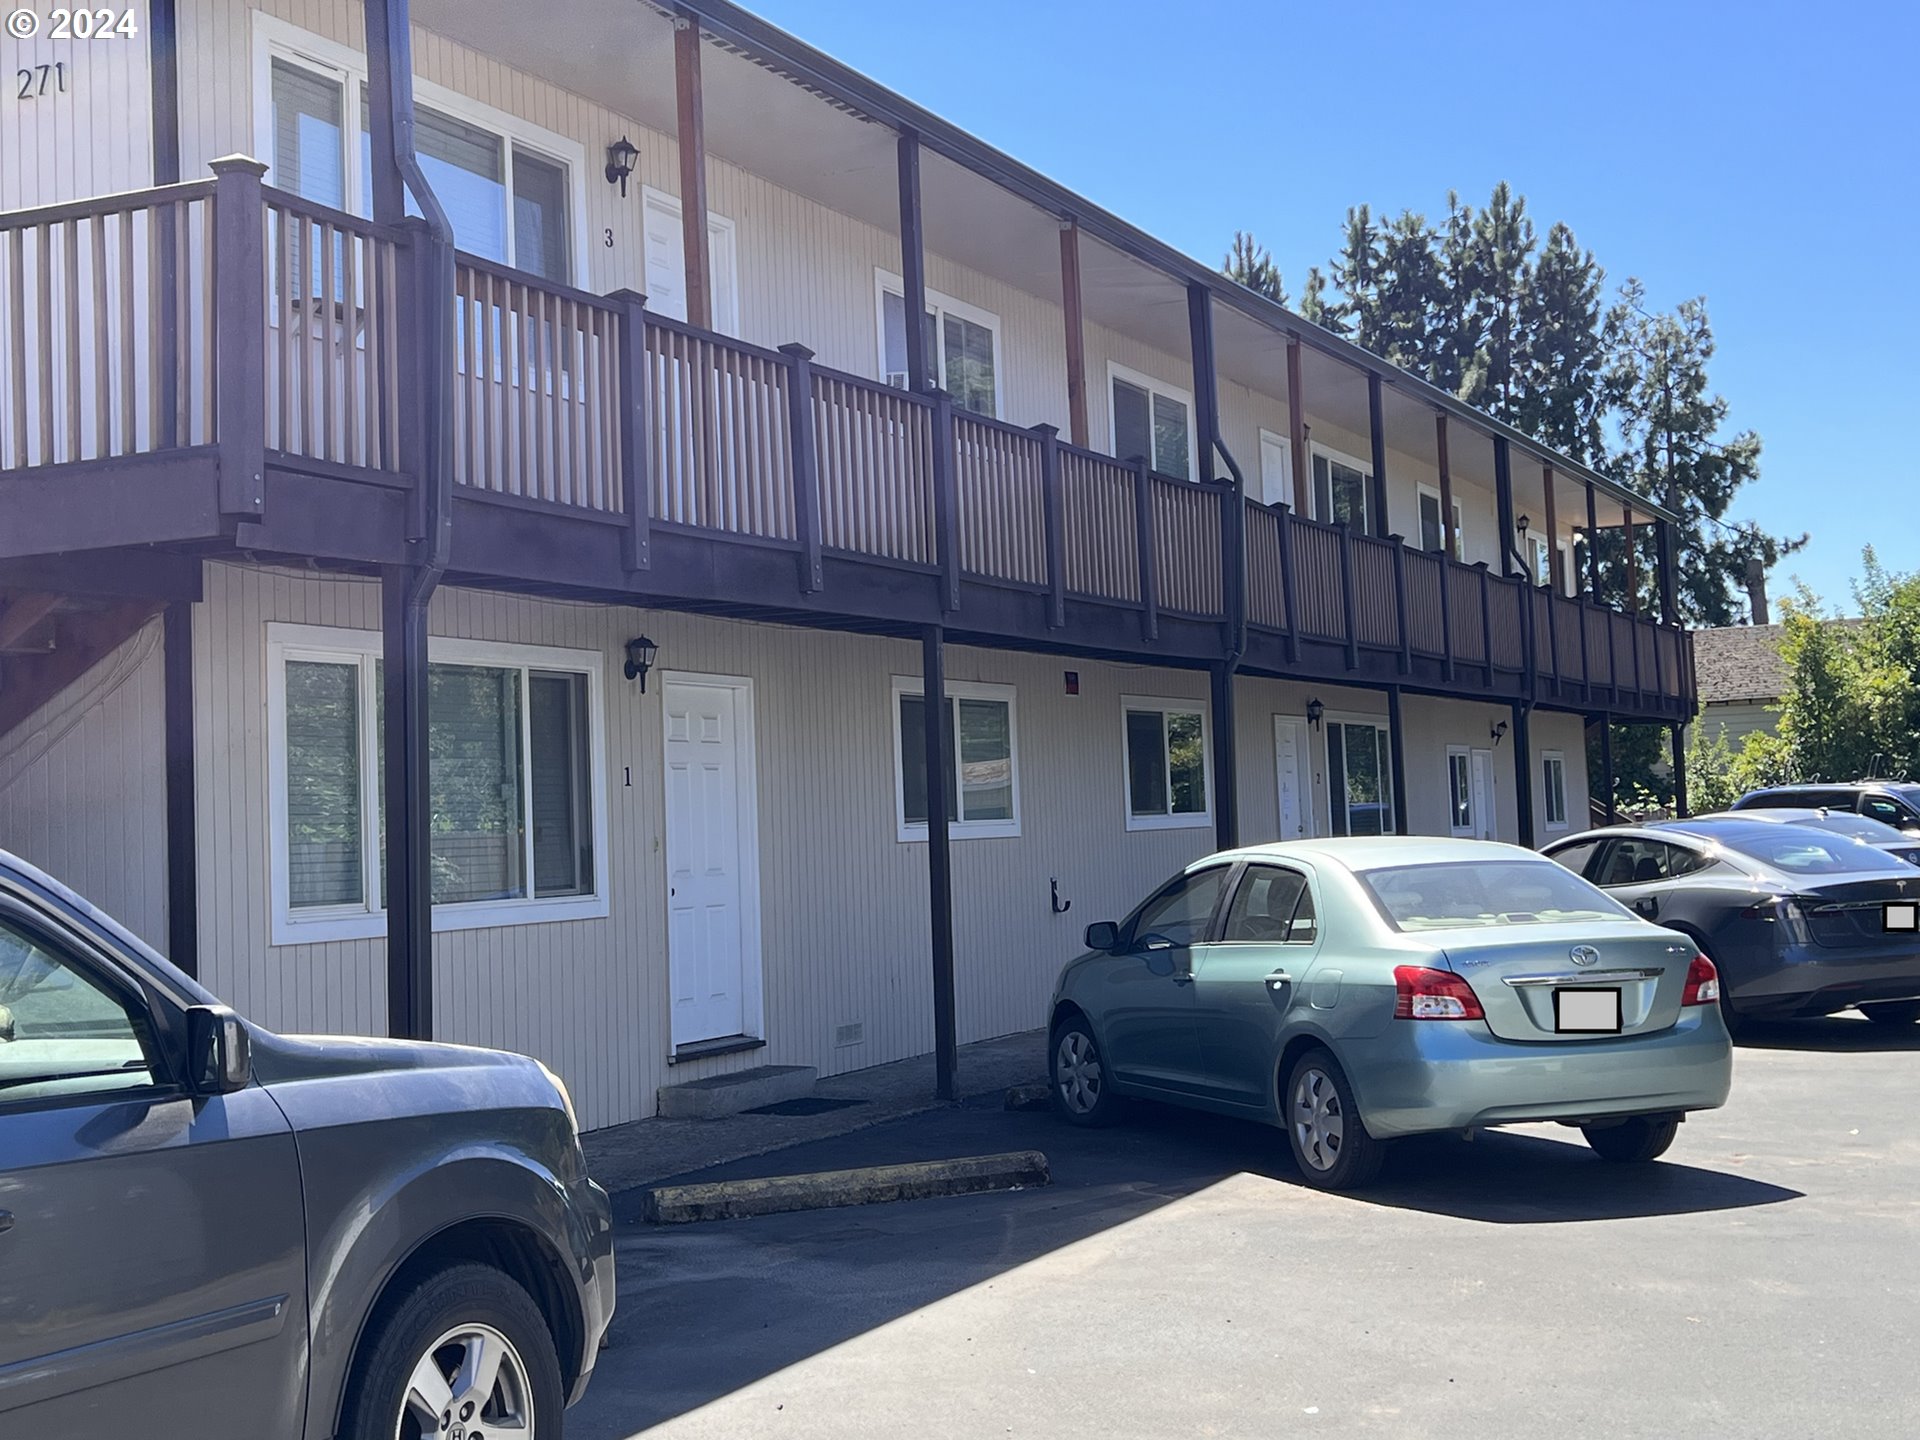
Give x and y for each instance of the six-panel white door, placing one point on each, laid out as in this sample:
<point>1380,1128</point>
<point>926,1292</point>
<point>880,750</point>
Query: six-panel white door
<point>1290,774</point>
<point>709,903</point>
<point>1484,822</point>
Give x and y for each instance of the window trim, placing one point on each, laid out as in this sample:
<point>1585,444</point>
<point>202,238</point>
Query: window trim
<point>1365,467</point>
<point>1459,555</point>
<point>1548,760</point>
<point>718,226</point>
<point>1463,753</point>
<point>1289,486</point>
<point>886,283</point>
<point>915,832</point>
<point>1167,705</point>
<point>277,39</point>
<point>1153,387</point>
<point>368,919</point>
<point>1384,725</point>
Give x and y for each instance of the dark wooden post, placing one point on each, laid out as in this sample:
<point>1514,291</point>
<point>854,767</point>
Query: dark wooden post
<point>163,64</point>
<point>1523,770</point>
<point>1346,596</point>
<point>1206,404</point>
<point>1606,768</point>
<point>1446,613</point>
<point>1669,581</point>
<point>1226,796</point>
<point>240,367</point>
<point>690,109</point>
<point>1553,534</point>
<point>1633,568</point>
<point>384,116</point>
<point>946,502</point>
<point>409,864</point>
<point>1289,588</point>
<point>1486,619</point>
<point>939,749</point>
<point>1397,760</point>
<point>806,471</point>
<point>636,435</point>
<point>1503,496</point>
<point>1446,485</point>
<point>1297,427</point>
<point>1680,809</point>
<point>1143,543</point>
<point>1400,600</point>
<point>1070,304</point>
<point>1593,544</point>
<point>1056,525</point>
<point>1377,433</point>
<point>913,262</point>
<point>183,846</point>
<point>1553,635</point>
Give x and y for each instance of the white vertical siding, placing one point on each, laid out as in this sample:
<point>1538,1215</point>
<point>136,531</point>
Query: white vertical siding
<point>83,787</point>
<point>92,138</point>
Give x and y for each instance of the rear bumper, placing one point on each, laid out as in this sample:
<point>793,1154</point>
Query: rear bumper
<point>1819,979</point>
<point>1421,1076</point>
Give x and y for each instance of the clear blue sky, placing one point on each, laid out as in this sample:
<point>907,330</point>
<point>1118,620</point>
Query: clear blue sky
<point>1763,155</point>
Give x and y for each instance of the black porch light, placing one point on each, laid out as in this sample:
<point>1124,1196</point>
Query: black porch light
<point>640,655</point>
<point>621,156</point>
<point>1499,731</point>
<point>1523,524</point>
<point>1314,711</point>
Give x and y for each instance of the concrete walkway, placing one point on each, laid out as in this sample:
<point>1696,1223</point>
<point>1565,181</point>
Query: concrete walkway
<point>646,1152</point>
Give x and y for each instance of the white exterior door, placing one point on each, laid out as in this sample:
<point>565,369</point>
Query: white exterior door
<point>1483,816</point>
<point>712,891</point>
<point>666,261</point>
<point>1290,771</point>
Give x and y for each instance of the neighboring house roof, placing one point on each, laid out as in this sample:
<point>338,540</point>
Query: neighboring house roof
<point>1741,663</point>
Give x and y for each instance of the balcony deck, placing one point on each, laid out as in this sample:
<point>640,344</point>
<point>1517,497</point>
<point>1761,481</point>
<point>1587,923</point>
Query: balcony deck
<point>219,365</point>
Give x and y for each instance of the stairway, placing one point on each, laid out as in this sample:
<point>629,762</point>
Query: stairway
<point>49,640</point>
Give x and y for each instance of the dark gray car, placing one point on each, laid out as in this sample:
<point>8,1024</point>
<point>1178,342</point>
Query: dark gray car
<point>1891,802</point>
<point>211,1231</point>
<point>1792,917</point>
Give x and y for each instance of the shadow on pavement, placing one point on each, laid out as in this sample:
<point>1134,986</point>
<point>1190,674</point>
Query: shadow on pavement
<point>1843,1033</point>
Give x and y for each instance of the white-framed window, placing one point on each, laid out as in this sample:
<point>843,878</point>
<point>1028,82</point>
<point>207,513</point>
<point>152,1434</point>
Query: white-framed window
<point>1460,816</point>
<point>1568,584</point>
<point>1169,772</point>
<point>510,188</point>
<point>519,834</point>
<point>983,784</point>
<point>1553,784</point>
<point>962,344</point>
<point>1276,469</point>
<point>1342,490</point>
<point>1538,567</point>
<point>1151,418</point>
<point>665,241</point>
<point>1433,530</point>
<point>1359,775</point>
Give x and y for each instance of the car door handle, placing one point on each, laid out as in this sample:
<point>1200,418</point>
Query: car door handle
<point>6,1221</point>
<point>1277,979</point>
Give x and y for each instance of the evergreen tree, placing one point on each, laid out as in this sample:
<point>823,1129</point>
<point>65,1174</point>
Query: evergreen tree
<point>1456,339</point>
<point>1561,350</point>
<point>1410,289</point>
<point>1503,244</point>
<point>1314,305</point>
<point>1250,263</point>
<point>1356,270</point>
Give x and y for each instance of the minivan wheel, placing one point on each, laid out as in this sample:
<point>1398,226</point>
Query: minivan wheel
<point>465,1352</point>
<point>1634,1141</point>
<point>1330,1141</point>
<point>1892,1012</point>
<point>1081,1088</point>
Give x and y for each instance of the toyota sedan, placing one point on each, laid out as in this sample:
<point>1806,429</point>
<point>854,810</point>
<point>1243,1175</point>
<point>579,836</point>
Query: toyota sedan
<point>1351,991</point>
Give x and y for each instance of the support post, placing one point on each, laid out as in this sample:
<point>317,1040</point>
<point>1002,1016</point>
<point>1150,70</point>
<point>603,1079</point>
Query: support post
<point>1669,581</point>
<point>240,271</point>
<point>939,854</point>
<point>1486,618</point>
<point>690,108</point>
<point>913,263</point>
<point>946,502</point>
<point>183,870</point>
<point>163,64</point>
<point>1297,428</point>
<point>1347,606</point>
<point>1377,433</point>
<point>1289,588</point>
<point>1680,809</point>
<point>1554,580</point>
<point>1446,485</point>
<point>636,438</point>
<point>1606,769</point>
<point>1226,795</point>
<point>1633,567</point>
<point>1056,526</point>
<point>1593,544</point>
<point>1397,760</point>
<point>1446,613</point>
<point>1503,496</point>
<point>1143,544</point>
<point>384,117</point>
<point>1400,600</point>
<point>409,868</point>
<point>806,471</point>
<point>1523,770</point>
<point>1070,304</point>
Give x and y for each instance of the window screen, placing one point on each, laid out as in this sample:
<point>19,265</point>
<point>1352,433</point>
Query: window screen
<point>557,740</point>
<point>309,155</point>
<point>324,826</point>
<point>473,736</point>
<point>1132,422</point>
<point>539,215</point>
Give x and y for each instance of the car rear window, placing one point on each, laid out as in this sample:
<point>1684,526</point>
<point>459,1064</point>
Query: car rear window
<point>1458,895</point>
<point>1802,850</point>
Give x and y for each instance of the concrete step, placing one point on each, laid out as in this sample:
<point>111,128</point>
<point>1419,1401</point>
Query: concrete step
<point>718,1095</point>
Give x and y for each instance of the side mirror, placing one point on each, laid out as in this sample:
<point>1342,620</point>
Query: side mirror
<point>219,1051</point>
<point>1103,935</point>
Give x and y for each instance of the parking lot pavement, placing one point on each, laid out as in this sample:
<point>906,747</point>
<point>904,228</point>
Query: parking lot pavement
<point>1177,1280</point>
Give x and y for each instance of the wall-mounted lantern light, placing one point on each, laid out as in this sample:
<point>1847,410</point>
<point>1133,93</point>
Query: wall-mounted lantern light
<point>1314,711</point>
<point>620,158</point>
<point>1499,731</point>
<point>640,655</point>
<point>1523,524</point>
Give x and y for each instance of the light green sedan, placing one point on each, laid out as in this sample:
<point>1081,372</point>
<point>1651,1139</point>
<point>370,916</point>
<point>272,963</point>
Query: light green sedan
<point>1356,990</point>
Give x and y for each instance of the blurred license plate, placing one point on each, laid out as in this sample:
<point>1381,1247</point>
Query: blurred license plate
<point>1586,1012</point>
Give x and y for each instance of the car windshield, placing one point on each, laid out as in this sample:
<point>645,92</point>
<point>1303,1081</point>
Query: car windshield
<point>1802,850</point>
<point>1501,892</point>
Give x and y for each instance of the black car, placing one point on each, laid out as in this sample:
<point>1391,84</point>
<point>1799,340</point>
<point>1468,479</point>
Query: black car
<point>1793,918</point>
<point>1892,802</point>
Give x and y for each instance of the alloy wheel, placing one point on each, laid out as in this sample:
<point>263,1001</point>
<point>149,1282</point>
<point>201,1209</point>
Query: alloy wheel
<point>1319,1125</point>
<point>471,1384</point>
<point>1076,1072</point>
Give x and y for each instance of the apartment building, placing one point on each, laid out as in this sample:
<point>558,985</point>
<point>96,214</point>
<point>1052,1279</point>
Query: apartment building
<point>485,556</point>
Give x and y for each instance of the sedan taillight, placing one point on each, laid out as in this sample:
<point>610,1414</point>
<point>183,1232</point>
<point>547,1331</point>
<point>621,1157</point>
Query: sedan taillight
<point>1703,983</point>
<point>1423,993</point>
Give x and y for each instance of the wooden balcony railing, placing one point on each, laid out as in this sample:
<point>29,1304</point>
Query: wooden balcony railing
<point>163,319</point>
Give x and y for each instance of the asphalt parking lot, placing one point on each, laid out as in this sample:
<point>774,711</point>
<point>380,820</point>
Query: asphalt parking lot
<point>1178,1280</point>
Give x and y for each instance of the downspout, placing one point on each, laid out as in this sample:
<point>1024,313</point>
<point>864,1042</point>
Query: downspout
<point>1237,626</point>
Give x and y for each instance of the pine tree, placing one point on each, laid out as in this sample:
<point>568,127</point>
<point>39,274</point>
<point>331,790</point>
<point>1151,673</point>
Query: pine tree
<point>1250,263</point>
<point>1456,339</point>
<point>1503,244</point>
<point>1314,305</point>
<point>1409,296</point>
<point>1561,352</point>
<point>1356,270</point>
